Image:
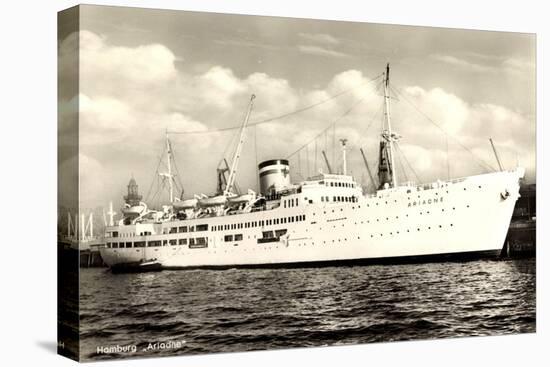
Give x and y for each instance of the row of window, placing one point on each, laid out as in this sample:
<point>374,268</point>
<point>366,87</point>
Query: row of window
<point>185,229</point>
<point>173,242</point>
<point>340,184</point>
<point>343,199</point>
<point>259,223</point>
<point>289,203</point>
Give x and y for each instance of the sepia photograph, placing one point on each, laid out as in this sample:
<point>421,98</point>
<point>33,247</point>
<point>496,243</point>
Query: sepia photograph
<point>232,183</point>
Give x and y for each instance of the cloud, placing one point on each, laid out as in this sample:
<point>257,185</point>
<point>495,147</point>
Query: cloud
<point>130,96</point>
<point>462,63</point>
<point>320,38</point>
<point>493,64</point>
<point>321,51</point>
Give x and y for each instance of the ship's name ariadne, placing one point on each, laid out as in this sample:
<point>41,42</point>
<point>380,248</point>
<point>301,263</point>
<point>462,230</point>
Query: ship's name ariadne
<point>426,202</point>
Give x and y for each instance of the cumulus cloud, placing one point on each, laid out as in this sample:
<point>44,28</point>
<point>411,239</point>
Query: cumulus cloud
<point>129,96</point>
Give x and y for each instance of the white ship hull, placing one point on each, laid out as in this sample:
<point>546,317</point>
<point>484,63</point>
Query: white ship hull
<point>462,217</point>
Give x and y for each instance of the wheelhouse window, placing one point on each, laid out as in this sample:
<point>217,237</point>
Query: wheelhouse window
<point>183,241</point>
<point>139,244</point>
<point>238,237</point>
<point>182,229</point>
<point>228,238</point>
<point>173,242</point>
<point>128,244</point>
<point>174,230</point>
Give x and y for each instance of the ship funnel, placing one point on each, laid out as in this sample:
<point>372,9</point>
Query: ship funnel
<point>274,175</point>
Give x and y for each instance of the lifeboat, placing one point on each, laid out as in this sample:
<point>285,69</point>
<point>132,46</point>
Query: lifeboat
<point>212,201</point>
<point>185,204</point>
<point>242,199</point>
<point>136,210</point>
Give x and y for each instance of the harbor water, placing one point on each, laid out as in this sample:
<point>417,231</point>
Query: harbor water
<point>209,311</point>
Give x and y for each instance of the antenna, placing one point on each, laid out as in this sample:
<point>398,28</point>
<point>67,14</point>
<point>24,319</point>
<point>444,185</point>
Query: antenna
<point>344,162</point>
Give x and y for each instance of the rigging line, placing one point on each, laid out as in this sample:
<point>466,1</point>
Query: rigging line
<point>481,162</point>
<point>401,164</point>
<point>270,119</point>
<point>333,124</point>
<point>372,119</point>
<point>177,171</point>
<point>154,176</point>
<point>408,163</point>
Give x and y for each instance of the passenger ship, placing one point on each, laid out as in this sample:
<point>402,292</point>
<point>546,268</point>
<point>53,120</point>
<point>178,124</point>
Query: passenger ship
<point>322,220</point>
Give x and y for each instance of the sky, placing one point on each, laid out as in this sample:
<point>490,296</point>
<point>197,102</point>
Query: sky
<point>142,72</point>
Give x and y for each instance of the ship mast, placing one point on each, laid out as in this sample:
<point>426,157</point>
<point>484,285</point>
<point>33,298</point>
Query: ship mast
<point>169,174</point>
<point>236,157</point>
<point>170,184</point>
<point>388,135</point>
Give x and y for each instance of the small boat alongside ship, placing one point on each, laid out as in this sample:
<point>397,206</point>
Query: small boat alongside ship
<point>325,219</point>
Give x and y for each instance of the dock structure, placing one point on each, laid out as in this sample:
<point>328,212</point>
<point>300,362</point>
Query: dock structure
<point>79,236</point>
<point>521,240</point>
